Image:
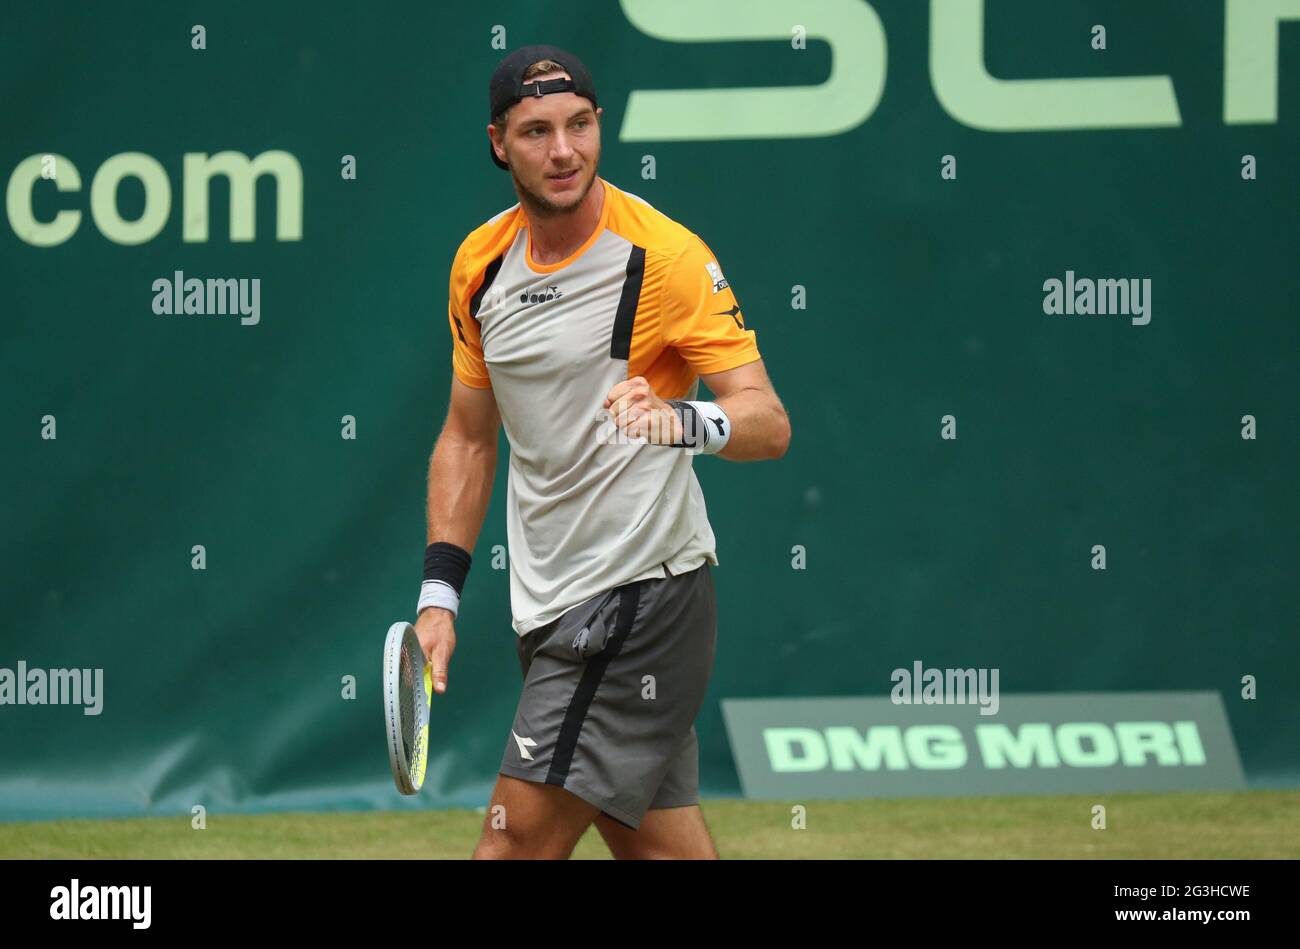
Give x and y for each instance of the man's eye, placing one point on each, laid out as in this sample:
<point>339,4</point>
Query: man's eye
<point>580,124</point>
<point>534,132</point>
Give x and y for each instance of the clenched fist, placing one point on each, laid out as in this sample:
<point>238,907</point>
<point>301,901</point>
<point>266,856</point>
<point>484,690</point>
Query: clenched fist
<point>639,413</point>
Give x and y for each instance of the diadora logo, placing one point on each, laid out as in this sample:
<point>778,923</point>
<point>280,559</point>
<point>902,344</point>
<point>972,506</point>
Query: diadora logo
<point>529,297</point>
<point>524,745</point>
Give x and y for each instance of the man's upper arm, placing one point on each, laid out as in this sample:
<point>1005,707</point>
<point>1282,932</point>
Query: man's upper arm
<point>466,344</point>
<point>701,318</point>
<point>472,414</point>
<point>752,375</point>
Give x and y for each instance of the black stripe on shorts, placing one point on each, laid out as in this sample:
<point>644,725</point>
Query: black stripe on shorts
<point>571,728</point>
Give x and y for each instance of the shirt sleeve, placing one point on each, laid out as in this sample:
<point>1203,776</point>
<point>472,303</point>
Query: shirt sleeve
<point>701,318</point>
<point>466,344</point>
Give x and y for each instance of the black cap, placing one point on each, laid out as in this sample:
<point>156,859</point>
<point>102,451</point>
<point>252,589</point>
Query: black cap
<point>507,84</point>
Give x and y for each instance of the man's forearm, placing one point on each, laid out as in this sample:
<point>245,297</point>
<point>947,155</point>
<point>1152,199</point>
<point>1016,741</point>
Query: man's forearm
<point>760,429</point>
<point>460,486</point>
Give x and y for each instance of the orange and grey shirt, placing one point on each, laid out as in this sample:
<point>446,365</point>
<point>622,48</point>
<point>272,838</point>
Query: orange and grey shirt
<point>643,296</point>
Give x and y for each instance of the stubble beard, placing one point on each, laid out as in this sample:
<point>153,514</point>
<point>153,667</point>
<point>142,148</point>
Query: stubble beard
<point>538,205</point>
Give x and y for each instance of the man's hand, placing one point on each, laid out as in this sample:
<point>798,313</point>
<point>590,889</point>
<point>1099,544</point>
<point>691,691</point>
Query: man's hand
<point>639,413</point>
<point>436,630</point>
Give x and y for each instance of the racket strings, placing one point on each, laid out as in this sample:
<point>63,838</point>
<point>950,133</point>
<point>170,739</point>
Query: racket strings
<point>406,686</point>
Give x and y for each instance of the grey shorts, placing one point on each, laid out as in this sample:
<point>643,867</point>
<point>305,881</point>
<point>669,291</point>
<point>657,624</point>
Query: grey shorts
<point>611,691</point>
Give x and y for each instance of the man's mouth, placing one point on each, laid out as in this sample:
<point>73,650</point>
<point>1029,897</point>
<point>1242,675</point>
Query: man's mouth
<point>565,177</point>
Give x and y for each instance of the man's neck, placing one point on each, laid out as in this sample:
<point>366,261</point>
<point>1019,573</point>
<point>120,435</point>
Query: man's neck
<point>557,236</point>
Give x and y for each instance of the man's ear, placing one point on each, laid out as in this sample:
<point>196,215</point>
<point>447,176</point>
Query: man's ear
<point>492,139</point>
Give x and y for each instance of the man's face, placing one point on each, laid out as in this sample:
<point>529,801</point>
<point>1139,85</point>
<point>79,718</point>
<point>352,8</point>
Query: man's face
<point>552,145</point>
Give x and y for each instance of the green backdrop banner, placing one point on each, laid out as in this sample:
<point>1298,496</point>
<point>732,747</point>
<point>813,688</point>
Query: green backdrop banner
<point>922,208</point>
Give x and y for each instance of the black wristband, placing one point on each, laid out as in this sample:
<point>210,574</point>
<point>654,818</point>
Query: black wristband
<point>448,563</point>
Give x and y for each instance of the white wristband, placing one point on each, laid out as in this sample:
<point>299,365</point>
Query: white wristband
<point>707,430</point>
<point>438,593</point>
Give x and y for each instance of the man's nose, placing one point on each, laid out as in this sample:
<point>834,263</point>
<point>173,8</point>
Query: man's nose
<point>560,147</point>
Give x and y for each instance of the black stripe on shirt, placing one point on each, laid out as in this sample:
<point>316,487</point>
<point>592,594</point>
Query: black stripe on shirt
<point>621,344</point>
<point>489,275</point>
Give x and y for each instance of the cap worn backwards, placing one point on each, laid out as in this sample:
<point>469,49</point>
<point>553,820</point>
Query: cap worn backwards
<point>507,84</point>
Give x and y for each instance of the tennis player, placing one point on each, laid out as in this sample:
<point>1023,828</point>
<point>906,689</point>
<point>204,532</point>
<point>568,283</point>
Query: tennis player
<point>583,320</point>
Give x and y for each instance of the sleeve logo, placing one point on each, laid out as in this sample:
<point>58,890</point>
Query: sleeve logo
<point>715,274</point>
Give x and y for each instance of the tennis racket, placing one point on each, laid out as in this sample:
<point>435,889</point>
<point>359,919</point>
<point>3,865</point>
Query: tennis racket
<point>408,690</point>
